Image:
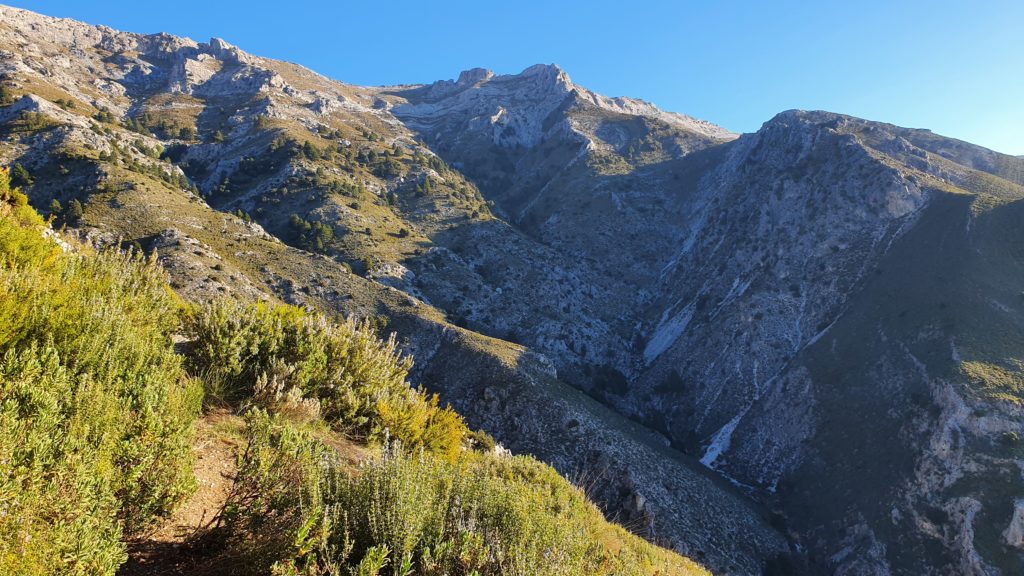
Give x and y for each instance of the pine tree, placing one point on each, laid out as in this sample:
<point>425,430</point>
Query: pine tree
<point>75,211</point>
<point>20,176</point>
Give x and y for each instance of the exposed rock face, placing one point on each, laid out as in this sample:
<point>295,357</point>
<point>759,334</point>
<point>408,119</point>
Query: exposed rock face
<point>539,90</point>
<point>766,250</point>
<point>788,225</point>
<point>236,125</point>
<point>826,313</point>
<point>1014,533</point>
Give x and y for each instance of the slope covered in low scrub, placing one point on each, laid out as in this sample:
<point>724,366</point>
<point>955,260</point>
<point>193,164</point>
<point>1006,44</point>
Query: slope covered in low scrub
<point>434,501</point>
<point>96,413</point>
<point>95,408</point>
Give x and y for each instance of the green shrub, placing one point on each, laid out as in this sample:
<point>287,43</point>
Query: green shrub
<point>414,513</point>
<point>273,503</point>
<point>75,211</point>
<point>313,235</point>
<point>21,242</point>
<point>482,441</point>
<point>357,379</point>
<point>444,518</point>
<point>56,489</point>
<point>95,409</point>
<point>20,176</point>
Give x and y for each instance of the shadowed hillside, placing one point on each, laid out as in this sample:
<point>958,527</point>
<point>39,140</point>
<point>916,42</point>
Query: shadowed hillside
<point>791,351</point>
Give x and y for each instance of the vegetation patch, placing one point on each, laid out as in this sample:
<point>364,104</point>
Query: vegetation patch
<point>408,512</point>
<point>95,408</point>
<point>995,381</point>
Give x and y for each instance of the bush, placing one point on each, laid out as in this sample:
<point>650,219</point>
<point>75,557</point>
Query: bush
<point>50,471</point>
<point>311,235</point>
<point>358,379</point>
<point>413,513</point>
<point>20,176</point>
<point>482,441</point>
<point>264,518</point>
<point>95,409</point>
<point>75,211</point>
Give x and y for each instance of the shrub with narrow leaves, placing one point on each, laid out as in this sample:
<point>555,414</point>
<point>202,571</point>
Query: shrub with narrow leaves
<point>358,379</point>
<point>95,408</point>
<point>413,513</point>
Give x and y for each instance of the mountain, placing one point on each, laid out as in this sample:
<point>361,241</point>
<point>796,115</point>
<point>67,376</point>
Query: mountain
<point>130,420</point>
<point>743,279</point>
<point>201,154</point>
<point>795,350</point>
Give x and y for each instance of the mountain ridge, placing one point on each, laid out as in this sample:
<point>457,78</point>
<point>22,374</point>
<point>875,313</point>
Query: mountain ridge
<point>208,252</point>
<point>524,229</point>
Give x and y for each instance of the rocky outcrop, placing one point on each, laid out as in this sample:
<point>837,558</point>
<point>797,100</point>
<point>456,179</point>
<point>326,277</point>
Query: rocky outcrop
<point>621,465</point>
<point>821,318</point>
<point>1014,533</point>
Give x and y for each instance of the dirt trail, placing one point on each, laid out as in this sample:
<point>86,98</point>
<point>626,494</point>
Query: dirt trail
<point>164,551</point>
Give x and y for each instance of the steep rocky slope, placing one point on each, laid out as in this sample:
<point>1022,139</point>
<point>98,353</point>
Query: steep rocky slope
<point>826,313</point>
<point>780,239</point>
<point>261,179</point>
<point>845,302</point>
<point>752,254</point>
<point>736,261</point>
<point>577,173</point>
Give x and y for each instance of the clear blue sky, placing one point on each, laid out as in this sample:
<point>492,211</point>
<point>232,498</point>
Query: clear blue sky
<point>956,67</point>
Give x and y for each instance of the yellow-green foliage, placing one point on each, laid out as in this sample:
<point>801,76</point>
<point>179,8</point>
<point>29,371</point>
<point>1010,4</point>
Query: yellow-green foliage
<point>95,410</point>
<point>427,506</point>
<point>95,418</point>
<point>20,238</point>
<point>265,516</point>
<point>995,381</point>
<point>414,513</point>
<point>357,379</point>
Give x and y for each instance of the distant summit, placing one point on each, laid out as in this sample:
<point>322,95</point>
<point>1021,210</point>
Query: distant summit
<point>820,322</point>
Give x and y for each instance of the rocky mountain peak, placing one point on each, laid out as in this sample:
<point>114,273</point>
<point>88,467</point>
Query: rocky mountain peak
<point>755,298</point>
<point>537,79</point>
<point>517,109</point>
<point>802,121</point>
<point>547,74</point>
<point>164,44</point>
<point>228,52</point>
<point>473,76</point>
